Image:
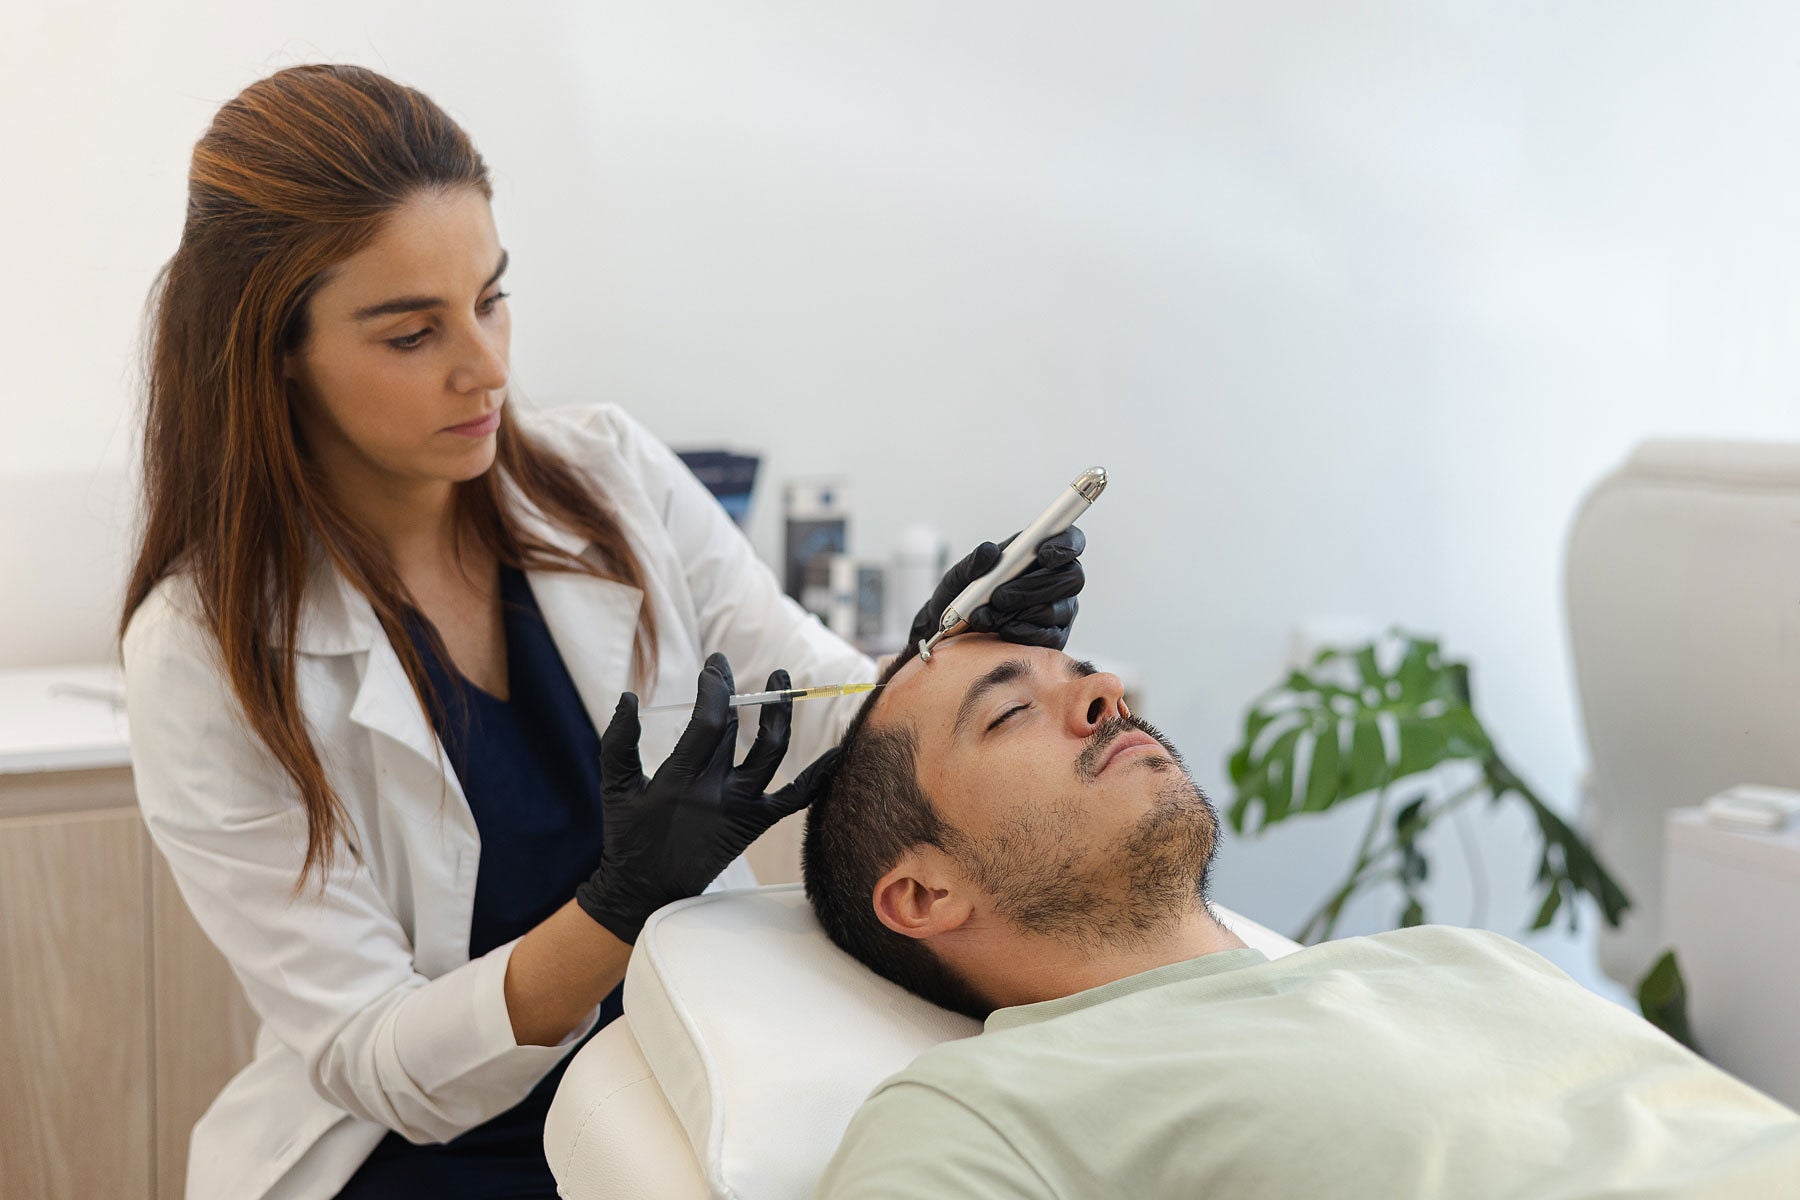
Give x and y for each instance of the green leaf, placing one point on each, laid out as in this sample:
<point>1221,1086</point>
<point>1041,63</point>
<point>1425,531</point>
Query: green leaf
<point>1322,782</point>
<point>1413,867</point>
<point>1278,785</point>
<point>1254,723</point>
<point>1423,745</point>
<point>1463,733</point>
<point>1368,757</point>
<point>1412,914</point>
<point>1662,998</point>
<point>1240,809</point>
<point>1407,823</point>
<point>1565,859</point>
<point>1300,683</point>
<point>1428,700</point>
<point>1457,677</point>
<point>1239,765</point>
<point>1547,911</point>
<point>1420,672</point>
<point>1343,725</point>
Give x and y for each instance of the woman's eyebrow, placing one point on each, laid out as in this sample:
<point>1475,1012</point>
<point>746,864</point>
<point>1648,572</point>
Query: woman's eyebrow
<point>406,304</point>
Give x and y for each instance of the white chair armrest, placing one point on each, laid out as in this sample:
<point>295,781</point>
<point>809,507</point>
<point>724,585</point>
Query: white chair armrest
<point>610,1131</point>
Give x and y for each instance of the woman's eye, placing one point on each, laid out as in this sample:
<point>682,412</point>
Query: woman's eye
<point>487,306</point>
<point>411,341</point>
<point>1006,716</point>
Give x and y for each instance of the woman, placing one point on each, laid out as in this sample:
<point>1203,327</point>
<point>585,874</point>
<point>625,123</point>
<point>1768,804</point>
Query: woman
<point>375,612</point>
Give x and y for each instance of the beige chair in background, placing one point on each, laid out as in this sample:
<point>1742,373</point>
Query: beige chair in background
<point>1683,591</point>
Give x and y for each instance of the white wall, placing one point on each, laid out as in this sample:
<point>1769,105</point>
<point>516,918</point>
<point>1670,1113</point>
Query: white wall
<point>1353,299</point>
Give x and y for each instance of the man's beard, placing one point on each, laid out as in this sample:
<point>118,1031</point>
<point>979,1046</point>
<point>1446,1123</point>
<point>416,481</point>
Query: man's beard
<point>1122,895</point>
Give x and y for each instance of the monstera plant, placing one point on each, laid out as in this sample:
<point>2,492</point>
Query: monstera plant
<point>1379,725</point>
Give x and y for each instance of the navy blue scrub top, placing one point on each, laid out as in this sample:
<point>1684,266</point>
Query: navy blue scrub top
<point>530,767</point>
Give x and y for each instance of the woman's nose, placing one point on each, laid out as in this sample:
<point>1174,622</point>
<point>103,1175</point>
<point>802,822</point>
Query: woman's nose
<point>482,366</point>
<point>1096,698</point>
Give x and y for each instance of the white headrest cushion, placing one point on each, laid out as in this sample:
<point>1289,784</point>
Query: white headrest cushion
<point>766,1038</point>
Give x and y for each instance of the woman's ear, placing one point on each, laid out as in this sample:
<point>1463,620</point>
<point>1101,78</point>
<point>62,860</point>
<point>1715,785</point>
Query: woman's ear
<point>920,897</point>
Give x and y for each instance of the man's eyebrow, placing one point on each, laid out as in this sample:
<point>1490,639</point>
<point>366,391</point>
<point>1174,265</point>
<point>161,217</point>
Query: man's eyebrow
<point>406,304</point>
<point>1006,672</point>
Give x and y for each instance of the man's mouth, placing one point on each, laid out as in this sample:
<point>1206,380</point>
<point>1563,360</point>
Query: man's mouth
<point>1115,737</point>
<point>1129,740</point>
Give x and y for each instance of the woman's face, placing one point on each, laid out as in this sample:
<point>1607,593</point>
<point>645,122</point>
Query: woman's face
<point>403,371</point>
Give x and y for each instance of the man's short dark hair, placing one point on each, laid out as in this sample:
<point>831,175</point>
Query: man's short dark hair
<point>873,812</point>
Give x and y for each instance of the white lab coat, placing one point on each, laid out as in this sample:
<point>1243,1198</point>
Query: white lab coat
<point>373,1016</point>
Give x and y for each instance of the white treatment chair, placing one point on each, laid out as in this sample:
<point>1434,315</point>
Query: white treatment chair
<point>748,1041</point>
<point>1683,589</point>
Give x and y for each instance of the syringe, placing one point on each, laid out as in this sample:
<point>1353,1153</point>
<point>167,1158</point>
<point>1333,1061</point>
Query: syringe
<point>744,699</point>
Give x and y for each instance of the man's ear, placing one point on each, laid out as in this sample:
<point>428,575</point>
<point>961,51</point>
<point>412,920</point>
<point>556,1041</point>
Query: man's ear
<point>919,896</point>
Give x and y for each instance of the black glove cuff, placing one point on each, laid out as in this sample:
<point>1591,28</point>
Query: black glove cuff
<point>623,921</point>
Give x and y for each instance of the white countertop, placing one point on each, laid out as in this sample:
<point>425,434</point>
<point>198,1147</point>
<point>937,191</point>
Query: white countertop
<point>62,719</point>
<point>1778,853</point>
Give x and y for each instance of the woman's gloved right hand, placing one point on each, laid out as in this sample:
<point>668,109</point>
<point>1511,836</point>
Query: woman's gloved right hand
<point>1035,609</point>
<point>668,837</point>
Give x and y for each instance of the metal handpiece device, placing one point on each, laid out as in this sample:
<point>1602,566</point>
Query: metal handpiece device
<point>1061,514</point>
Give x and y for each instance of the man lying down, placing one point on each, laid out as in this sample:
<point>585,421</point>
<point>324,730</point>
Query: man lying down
<point>1005,839</point>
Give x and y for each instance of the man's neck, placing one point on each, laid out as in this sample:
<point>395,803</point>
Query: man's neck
<point>1020,968</point>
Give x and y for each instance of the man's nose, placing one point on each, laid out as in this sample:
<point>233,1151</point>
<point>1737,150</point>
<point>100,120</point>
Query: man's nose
<point>1096,698</point>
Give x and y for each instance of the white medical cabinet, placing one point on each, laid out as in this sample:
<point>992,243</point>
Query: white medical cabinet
<point>1731,906</point>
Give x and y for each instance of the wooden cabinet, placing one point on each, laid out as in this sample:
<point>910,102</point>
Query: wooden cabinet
<point>75,1043</point>
<point>118,1020</point>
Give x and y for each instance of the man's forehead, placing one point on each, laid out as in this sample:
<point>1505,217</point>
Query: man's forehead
<point>928,692</point>
<point>955,660</point>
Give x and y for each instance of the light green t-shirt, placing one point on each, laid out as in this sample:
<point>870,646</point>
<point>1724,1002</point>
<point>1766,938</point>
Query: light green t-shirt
<point>1430,1062</point>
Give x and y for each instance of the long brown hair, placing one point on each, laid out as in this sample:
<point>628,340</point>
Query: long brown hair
<point>296,174</point>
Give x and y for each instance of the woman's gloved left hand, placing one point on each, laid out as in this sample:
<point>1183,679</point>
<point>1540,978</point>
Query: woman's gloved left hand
<point>1036,609</point>
<point>668,837</point>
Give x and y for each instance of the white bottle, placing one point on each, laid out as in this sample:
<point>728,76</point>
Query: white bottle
<point>920,561</point>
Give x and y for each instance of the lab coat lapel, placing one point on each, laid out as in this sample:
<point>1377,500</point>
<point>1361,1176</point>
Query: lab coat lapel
<point>386,704</point>
<point>592,620</point>
<point>337,619</point>
<point>594,623</point>
<point>420,812</point>
<point>417,788</point>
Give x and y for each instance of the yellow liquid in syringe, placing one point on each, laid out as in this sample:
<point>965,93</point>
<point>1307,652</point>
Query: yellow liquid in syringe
<point>745,699</point>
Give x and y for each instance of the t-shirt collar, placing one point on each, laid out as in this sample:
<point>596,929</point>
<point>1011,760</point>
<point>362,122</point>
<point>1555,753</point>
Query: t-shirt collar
<point>1218,962</point>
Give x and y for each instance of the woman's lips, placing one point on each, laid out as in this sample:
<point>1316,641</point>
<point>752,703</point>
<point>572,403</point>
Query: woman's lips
<point>480,427</point>
<point>1130,740</point>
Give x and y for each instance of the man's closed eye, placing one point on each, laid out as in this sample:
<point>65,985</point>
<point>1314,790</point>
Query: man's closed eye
<point>1006,716</point>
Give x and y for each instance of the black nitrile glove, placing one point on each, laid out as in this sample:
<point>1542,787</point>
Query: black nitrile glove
<point>1036,609</point>
<point>666,838</point>
<point>809,783</point>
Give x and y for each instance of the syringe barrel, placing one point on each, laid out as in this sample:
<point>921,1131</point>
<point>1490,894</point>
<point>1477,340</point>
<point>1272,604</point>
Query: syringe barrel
<point>743,699</point>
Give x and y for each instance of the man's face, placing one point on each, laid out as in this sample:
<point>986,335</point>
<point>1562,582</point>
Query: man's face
<point>1071,817</point>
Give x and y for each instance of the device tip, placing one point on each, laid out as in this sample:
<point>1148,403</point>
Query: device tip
<point>924,650</point>
<point>1090,483</point>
